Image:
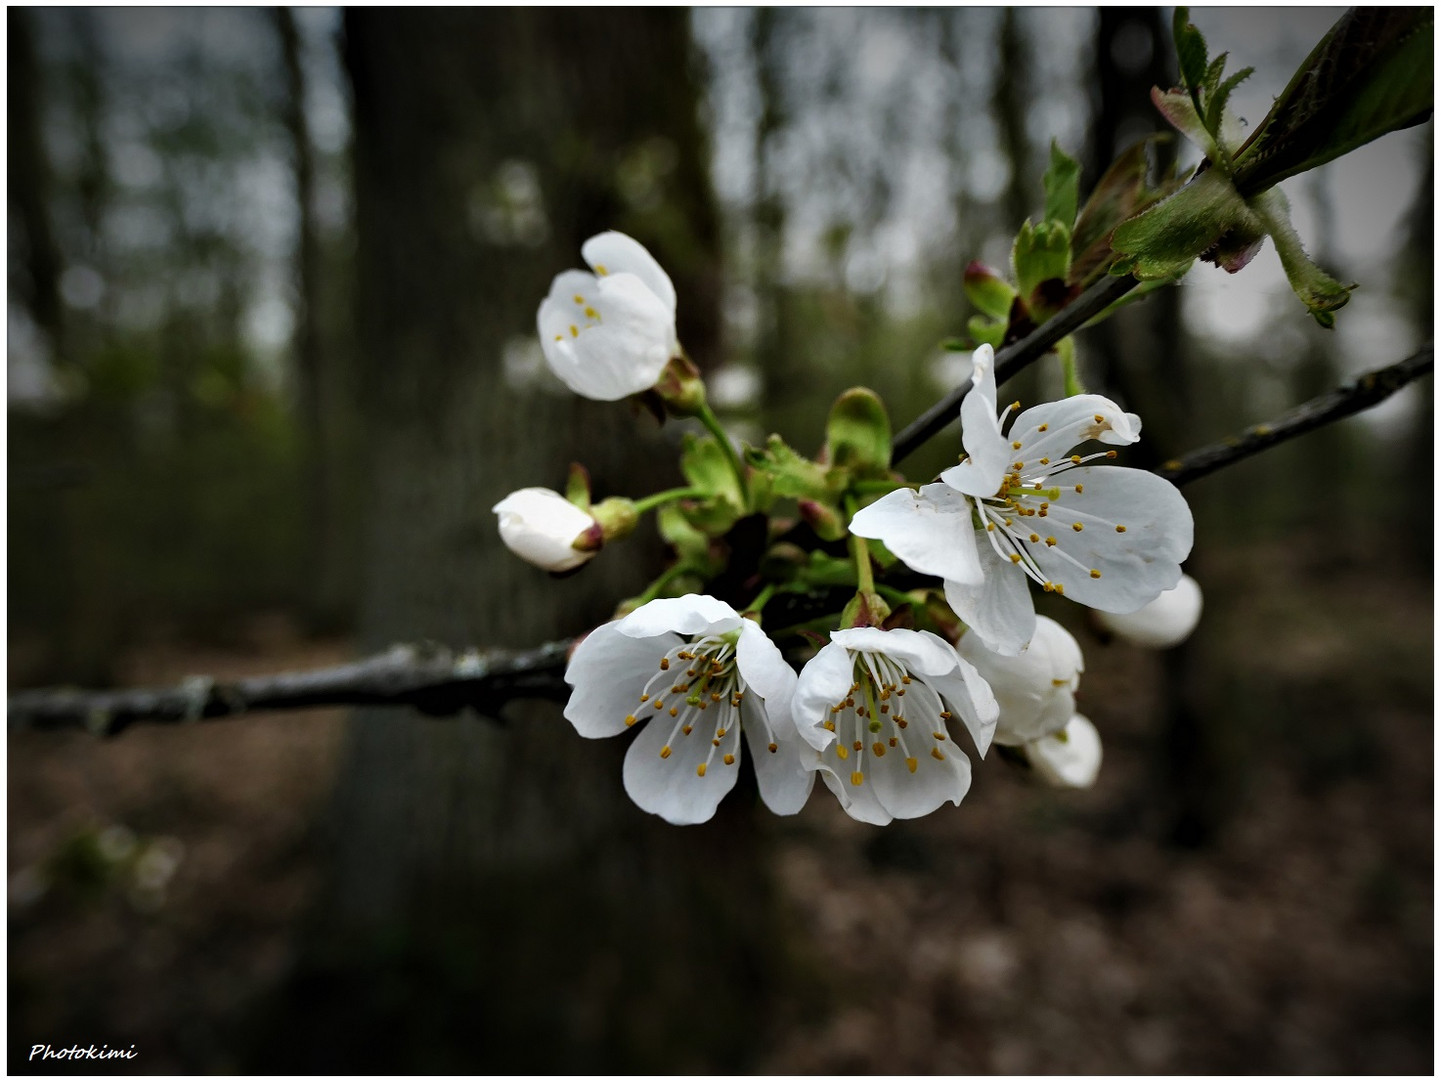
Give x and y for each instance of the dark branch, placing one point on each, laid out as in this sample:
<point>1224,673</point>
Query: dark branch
<point>440,682</point>
<point>1013,358</point>
<point>1361,393</point>
<point>434,680</point>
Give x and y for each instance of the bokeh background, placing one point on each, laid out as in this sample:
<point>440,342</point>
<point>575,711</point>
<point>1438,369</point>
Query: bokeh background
<point>271,359</point>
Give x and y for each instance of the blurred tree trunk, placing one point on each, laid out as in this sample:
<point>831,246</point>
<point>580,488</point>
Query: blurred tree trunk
<point>324,559</point>
<point>1140,357</point>
<point>494,901</point>
<point>39,287</point>
<point>782,367</point>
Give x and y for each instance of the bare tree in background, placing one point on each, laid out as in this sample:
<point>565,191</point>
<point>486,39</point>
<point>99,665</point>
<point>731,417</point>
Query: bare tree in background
<point>500,876</point>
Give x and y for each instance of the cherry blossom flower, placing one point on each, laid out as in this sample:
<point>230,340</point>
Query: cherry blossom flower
<point>544,528</point>
<point>1108,537</point>
<point>609,334</point>
<point>1036,691</point>
<point>1165,622</point>
<point>877,704</point>
<point>1069,758</point>
<point>696,675</point>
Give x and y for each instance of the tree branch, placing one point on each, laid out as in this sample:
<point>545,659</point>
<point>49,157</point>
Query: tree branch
<point>1013,358</point>
<point>1361,393</point>
<point>440,682</point>
<point>433,679</point>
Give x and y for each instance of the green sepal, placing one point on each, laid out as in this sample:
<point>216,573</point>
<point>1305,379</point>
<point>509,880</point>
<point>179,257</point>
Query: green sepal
<point>1121,193</point>
<point>1063,187</point>
<point>985,332</point>
<point>1161,243</point>
<point>1042,252</point>
<point>616,516</point>
<point>690,543</point>
<point>705,466</point>
<point>824,518</point>
<point>577,486</point>
<point>858,433</point>
<point>791,475</point>
<point>865,609</point>
<point>988,290</point>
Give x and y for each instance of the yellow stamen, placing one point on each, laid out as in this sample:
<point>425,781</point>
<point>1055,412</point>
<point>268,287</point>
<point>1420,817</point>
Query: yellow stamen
<point>665,751</point>
<point>629,720</point>
<point>911,764</point>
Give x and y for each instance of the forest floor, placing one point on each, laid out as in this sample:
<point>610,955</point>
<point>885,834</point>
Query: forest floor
<point>1262,903</point>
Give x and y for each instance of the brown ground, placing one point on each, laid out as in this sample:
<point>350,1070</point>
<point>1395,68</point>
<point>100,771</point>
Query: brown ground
<point>1027,931</point>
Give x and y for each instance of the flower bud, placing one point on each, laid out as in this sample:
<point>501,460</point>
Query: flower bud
<point>1166,621</point>
<point>1035,690</point>
<point>1069,758</point>
<point>545,530</point>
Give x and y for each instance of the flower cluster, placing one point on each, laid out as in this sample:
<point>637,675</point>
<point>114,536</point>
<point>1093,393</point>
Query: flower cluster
<point>887,710</point>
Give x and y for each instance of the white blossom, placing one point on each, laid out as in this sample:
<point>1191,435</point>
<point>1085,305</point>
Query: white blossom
<point>877,705</point>
<point>1069,758</point>
<point>694,675</point>
<point>1166,621</point>
<point>543,528</point>
<point>609,334</point>
<point>1108,537</point>
<point>1036,690</point>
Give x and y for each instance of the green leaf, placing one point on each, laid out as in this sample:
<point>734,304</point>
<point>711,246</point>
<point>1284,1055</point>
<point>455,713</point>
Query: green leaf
<point>692,544</point>
<point>858,433</point>
<point>1213,74</point>
<point>1165,238</point>
<point>1121,193</point>
<point>1042,252</point>
<point>705,465</point>
<point>1190,49</point>
<point>1063,188</point>
<point>1180,112</point>
<point>577,487</point>
<point>1216,105</point>
<point>1371,74</point>
<point>988,290</point>
<point>985,332</point>
<point>792,475</point>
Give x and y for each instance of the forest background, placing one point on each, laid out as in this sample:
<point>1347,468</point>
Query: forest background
<point>271,359</point>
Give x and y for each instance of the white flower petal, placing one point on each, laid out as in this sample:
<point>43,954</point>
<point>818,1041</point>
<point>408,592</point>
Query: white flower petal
<point>918,650</point>
<point>907,794</point>
<point>540,526</point>
<point>765,671</point>
<point>823,682</point>
<point>1055,428</point>
<point>999,610</point>
<point>968,694</point>
<point>1135,565</point>
<point>1035,690</point>
<point>1070,758</point>
<point>612,253</point>
<point>931,531</point>
<point>670,786</point>
<point>784,781</point>
<point>609,671</point>
<point>987,453</point>
<point>860,803</point>
<point>1163,623</point>
<point>692,614</point>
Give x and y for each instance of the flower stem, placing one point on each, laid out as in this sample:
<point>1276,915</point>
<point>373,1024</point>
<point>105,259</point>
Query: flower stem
<point>861,553</point>
<point>1066,350</point>
<point>655,587</point>
<point>713,425</point>
<point>754,607</point>
<point>660,498</point>
<point>877,487</point>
